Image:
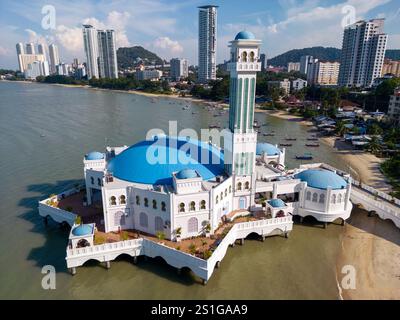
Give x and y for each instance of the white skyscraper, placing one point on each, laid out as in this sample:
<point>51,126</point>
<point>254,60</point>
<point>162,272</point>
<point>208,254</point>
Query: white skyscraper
<point>108,66</point>
<point>90,42</point>
<point>304,62</point>
<point>54,57</point>
<point>179,68</point>
<point>30,48</point>
<point>20,52</point>
<point>207,43</point>
<point>363,52</point>
<point>41,49</point>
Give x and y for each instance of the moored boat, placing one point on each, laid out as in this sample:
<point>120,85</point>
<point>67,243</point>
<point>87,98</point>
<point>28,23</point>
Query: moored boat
<point>305,156</point>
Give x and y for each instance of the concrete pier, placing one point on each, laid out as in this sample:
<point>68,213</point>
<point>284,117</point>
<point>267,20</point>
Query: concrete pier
<point>108,264</point>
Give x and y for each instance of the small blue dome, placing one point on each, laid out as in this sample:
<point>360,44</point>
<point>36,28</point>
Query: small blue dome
<point>154,161</point>
<point>276,203</point>
<point>82,230</point>
<point>322,179</point>
<point>186,174</point>
<point>268,149</point>
<point>245,35</point>
<point>94,156</point>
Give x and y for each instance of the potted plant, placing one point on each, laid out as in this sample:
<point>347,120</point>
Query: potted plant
<point>178,233</point>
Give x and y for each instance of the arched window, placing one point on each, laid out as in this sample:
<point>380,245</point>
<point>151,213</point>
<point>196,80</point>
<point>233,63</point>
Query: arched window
<point>230,189</point>
<point>244,56</point>
<point>91,180</point>
<point>203,205</point>
<point>99,182</point>
<point>192,206</point>
<point>159,224</point>
<point>239,186</point>
<point>226,192</point>
<point>154,204</point>
<point>321,198</point>
<point>222,195</point>
<point>143,220</point>
<point>308,197</point>
<point>251,56</point>
<point>216,199</point>
<point>122,199</point>
<point>163,207</point>
<point>193,225</point>
<point>334,198</point>
<point>339,198</point>
<point>113,201</point>
<point>146,202</point>
<point>315,197</point>
<point>138,200</point>
<point>247,185</point>
<point>181,207</point>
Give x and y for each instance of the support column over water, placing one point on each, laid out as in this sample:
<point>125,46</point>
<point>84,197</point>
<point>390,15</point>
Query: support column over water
<point>108,264</point>
<point>73,271</point>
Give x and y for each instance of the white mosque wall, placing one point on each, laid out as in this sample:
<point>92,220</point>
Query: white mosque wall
<point>221,201</point>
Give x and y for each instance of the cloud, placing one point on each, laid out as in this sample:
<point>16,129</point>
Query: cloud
<point>4,51</point>
<point>70,39</point>
<point>166,47</point>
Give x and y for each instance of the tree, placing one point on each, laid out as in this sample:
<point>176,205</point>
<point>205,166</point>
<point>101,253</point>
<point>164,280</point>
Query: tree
<point>374,146</point>
<point>341,129</point>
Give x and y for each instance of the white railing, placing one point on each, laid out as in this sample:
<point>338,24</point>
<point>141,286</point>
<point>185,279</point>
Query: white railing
<point>376,192</point>
<point>104,248</point>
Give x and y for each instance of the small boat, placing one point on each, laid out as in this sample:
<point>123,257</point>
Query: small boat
<point>285,144</point>
<point>290,139</point>
<point>185,108</point>
<point>214,126</point>
<point>256,124</point>
<point>194,112</point>
<point>42,135</point>
<point>312,139</point>
<point>305,156</point>
<point>266,134</point>
<point>312,144</point>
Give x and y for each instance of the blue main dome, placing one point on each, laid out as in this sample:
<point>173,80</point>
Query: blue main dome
<point>186,174</point>
<point>267,148</point>
<point>82,230</point>
<point>154,161</point>
<point>322,179</point>
<point>245,35</point>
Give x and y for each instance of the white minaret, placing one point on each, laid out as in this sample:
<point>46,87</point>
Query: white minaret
<point>241,140</point>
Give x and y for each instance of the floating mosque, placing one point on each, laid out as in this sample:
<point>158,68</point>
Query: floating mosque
<point>197,187</point>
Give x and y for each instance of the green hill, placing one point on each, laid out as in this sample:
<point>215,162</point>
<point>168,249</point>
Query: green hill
<point>322,53</point>
<point>129,57</point>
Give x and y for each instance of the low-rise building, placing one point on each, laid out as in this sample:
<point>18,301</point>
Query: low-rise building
<point>293,66</point>
<point>298,84</point>
<point>323,72</point>
<point>394,107</point>
<point>148,75</point>
<point>179,69</point>
<point>391,67</point>
<point>284,84</point>
<point>36,69</point>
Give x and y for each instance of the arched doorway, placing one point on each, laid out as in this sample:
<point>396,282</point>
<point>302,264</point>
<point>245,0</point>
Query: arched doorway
<point>242,203</point>
<point>82,243</point>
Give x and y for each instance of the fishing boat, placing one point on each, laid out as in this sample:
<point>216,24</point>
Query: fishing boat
<point>256,124</point>
<point>312,144</point>
<point>305,156</point>
<point>290,139</point>
<point>185,108</point>
<point>268,134</point>
<point>312,139</point>
<point>285,144</point>
<point>194,112</point>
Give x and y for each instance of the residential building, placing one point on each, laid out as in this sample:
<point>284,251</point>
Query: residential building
<point>298,84</point>
<point>90,42</point>
<point>263,59</point>
<point>363,52</point>
<point>27,59</point>
<point>304,62</point>
<point>20,51</point>
<point>207,68</point>
<point>323,72</point>
<point>36,69</point>
<point>284,84</point>
<point>30,48</point>
<point>63,69</point>
<point>392,67</point>
<point>394,107</point>
<point>42,49</point>
<point>148,75</point>
<point>293,66</point>
<point>80,72</point>
<point>108,67</point>
<point>54,58</point>
<point>179,69</point>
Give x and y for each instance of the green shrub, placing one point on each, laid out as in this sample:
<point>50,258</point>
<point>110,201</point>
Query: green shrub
<point>99,239</point>
<point>160,235</point>
<point>207,254</point>
<point>78,220</point>
<point>124,236</point>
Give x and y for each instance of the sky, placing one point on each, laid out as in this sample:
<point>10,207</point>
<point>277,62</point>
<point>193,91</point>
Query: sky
<point>170,27</point>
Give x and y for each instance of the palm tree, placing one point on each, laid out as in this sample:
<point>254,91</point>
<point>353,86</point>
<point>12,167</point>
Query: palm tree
<point>374,146</point>
<point>341,129</point>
